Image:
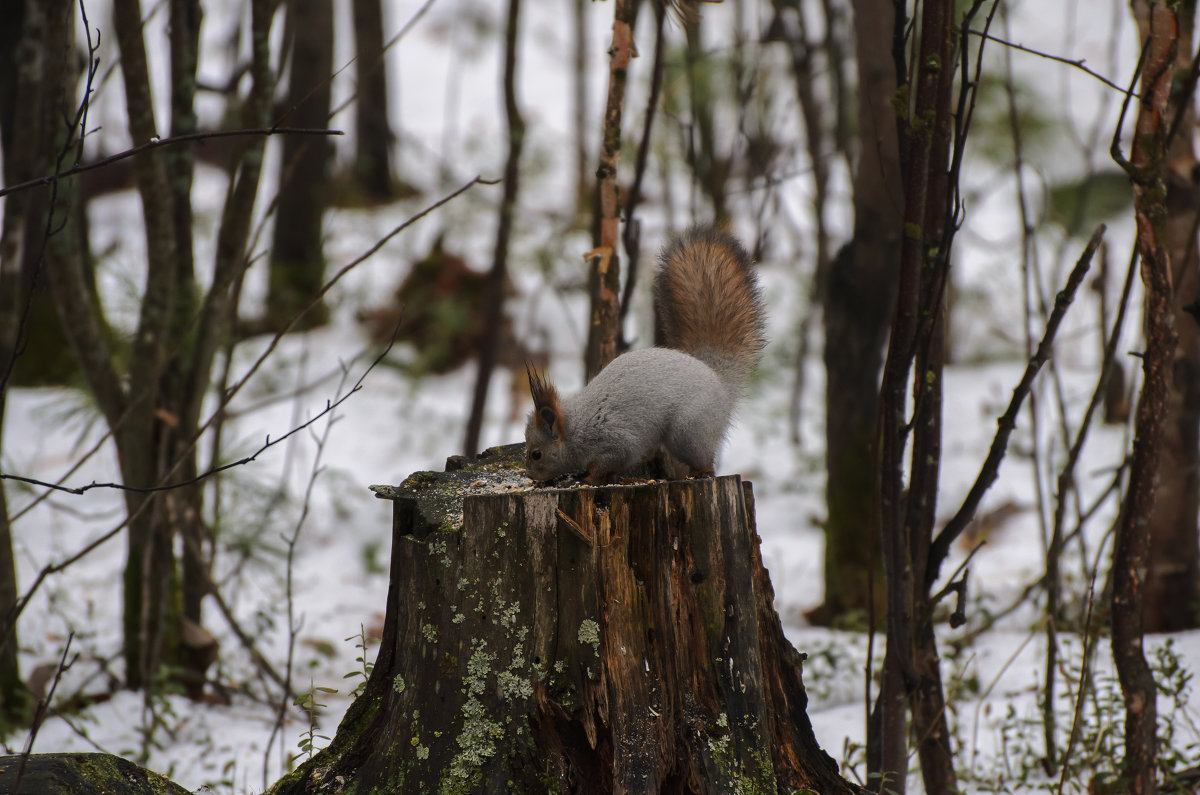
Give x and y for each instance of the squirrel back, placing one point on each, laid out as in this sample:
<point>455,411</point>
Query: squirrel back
<point>707,303</point>
<point>680,396</point>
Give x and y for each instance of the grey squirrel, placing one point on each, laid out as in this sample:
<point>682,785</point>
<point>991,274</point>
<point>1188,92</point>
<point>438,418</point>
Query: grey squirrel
<point>710,323</point>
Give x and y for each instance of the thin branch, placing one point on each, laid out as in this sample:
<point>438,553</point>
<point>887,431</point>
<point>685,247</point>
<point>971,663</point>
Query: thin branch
<point>257,657</point>
<point>329,406</point>
<point>633,228</point>
<point>1008,421</point>
<point>1114,148</point>
<point>1078,63</point>
<point>1089,642</point>
<point>393,41</point>
<point>294,625</point>
<point>254,368</point>
<point>43,705</point>
<point>9,621</point>
<point>157,143</point>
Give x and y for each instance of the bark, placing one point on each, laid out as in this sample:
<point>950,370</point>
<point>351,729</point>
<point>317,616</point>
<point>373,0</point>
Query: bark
<point>177,381</point>
<point>297,268</point>
<point>149,560</point>
<point>498,274</point>
<point>928,704</point>
<point>924,197</point>
<point>604,281</point>
<point>1172,587</point>
<point>373,133</point>
<point>1131,542</point>
<point>605,640</point>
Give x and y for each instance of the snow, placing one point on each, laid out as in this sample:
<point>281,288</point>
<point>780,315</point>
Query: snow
<point>445,76</point>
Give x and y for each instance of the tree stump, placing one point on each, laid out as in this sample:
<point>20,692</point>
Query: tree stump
<point>593,640</point>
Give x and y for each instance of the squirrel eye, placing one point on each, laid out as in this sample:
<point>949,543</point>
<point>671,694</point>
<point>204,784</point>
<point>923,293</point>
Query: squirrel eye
<point>535,455</point>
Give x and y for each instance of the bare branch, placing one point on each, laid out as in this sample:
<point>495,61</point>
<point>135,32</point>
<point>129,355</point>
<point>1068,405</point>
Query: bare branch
<point>156,143</point>
<point>43,705</point>
<point>254,368</point>
<point>1008,421</point>
<point>267,445</point>
<point>1078,63</point>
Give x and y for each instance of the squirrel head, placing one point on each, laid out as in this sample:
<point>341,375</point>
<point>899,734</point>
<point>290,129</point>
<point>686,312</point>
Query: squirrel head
<point>545,432</point>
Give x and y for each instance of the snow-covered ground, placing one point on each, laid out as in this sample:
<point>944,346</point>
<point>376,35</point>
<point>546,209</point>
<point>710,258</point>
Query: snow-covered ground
<point>445,76</point>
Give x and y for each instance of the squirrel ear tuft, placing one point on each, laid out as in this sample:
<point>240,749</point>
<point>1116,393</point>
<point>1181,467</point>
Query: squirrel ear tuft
<point>545,402</point>
<point>542,392</point>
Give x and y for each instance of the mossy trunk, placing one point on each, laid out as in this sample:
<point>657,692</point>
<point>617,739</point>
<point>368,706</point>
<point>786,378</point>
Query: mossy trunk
<point>617,639</point>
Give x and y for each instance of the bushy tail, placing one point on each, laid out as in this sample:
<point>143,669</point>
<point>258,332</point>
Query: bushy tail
<point>707,303</point>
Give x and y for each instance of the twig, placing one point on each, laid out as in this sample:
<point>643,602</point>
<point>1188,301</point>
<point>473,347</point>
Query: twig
<point>1066,484</point>
<point>633,228</point>
<point>1008,421</point>
<point>393,41</point>
<point>1114,148</point>
<point>157,143</point>
<point>1078,63</point>
<point>17,609</point>
<point>254,368</point>
<point>268,444</point>
<point>40,714</point>
<point>1084,668</point>
<point>293,625</point>
<point>257,657</point>
<point>9,621</point>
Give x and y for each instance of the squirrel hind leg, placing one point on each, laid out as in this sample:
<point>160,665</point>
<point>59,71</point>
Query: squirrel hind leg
<point>597,477</point>
<point>703,472</point>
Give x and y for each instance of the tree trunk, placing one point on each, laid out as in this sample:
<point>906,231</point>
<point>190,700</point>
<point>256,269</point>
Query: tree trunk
<point>42,355</point>
<point>373,134</point>
<point>297,270</point>
<point>858,294</point>
<point>619,639</point>
<point>498,274</point>
<point>16,80</point>
<point>604,277</point>
<point>1131,541</point>
<point>149,613</point>
<point>1172,587</point>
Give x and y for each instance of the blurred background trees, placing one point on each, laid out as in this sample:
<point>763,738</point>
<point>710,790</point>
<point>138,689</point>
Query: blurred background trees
<point>793,123</point>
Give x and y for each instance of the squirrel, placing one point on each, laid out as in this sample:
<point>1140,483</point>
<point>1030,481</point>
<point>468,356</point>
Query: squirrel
<point>710,322</point>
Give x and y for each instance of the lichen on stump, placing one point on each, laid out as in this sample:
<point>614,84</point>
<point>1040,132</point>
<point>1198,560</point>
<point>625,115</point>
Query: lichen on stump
<point>616,639</point>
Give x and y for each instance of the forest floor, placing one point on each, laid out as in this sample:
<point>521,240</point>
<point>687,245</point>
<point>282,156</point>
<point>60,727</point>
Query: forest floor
<point>313,487</point>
